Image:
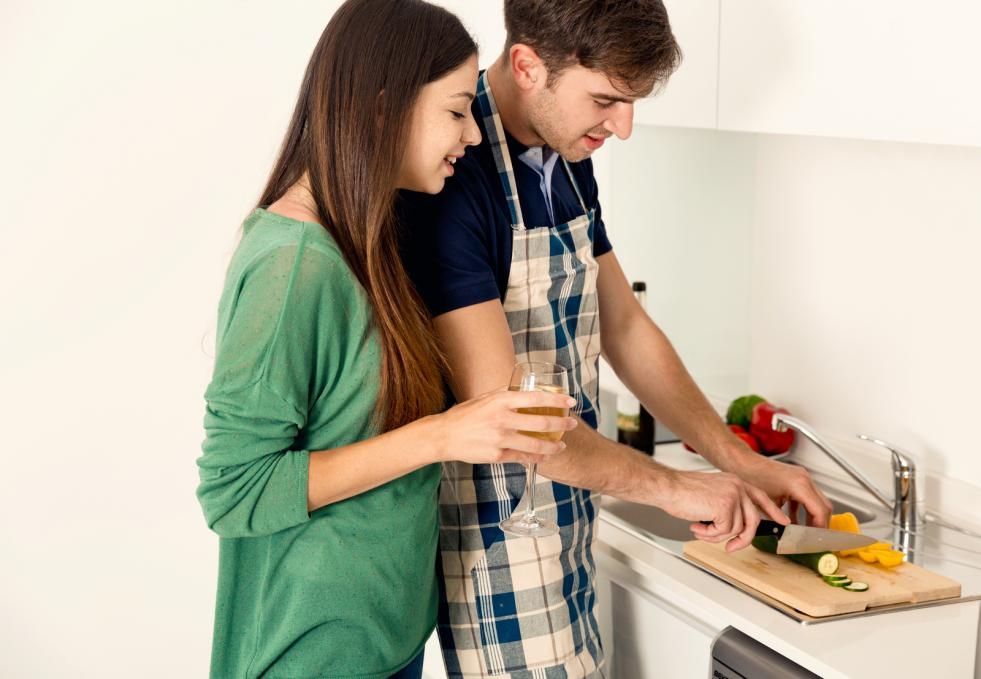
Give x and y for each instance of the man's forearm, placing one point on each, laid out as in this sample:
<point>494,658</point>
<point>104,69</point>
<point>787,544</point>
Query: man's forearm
<point>646,362</point>
<point>594,462</point>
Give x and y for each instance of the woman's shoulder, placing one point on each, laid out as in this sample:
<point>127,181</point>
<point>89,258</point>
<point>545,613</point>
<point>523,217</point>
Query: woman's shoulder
<point>265,230</point>
<point>278,254</point>
<point>272,241</point>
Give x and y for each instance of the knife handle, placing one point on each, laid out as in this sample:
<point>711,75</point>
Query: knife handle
<point>771,528</point>
<point>766,527</point>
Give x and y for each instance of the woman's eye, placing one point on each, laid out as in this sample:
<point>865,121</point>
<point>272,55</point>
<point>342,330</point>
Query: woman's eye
<point>458,115</point>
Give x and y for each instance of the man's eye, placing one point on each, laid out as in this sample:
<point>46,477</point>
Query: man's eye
<point>604,104</point>
<point>458,115</point>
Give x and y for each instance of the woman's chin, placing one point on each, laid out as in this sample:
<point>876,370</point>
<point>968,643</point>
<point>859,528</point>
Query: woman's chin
<point>434,186</point>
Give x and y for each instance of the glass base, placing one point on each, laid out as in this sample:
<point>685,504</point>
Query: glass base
<point>525,526</point>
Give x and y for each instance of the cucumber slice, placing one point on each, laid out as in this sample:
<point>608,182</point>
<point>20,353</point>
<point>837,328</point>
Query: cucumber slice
<point>835,578</point>
<point>839,583</point>
<point>857,587</point>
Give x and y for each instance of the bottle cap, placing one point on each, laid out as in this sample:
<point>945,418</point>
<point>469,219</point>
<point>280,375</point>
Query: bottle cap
<point>640,286</point>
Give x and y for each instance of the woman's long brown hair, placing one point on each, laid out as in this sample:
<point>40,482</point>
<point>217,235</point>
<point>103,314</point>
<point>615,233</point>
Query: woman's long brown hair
<point>349,133</point>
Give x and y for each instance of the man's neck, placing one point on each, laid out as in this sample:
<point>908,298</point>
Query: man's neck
<point>509,103</point>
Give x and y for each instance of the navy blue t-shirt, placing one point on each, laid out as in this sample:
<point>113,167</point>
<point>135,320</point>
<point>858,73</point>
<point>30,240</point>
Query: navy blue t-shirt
<point>456,245</point>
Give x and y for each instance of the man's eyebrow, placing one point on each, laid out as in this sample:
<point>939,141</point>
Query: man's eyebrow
<point>468,95</point>
<point>612,97</point>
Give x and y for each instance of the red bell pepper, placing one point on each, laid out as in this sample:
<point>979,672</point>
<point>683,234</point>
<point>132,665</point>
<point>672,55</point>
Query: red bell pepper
<point>748,439</point>
<point>761,427</point>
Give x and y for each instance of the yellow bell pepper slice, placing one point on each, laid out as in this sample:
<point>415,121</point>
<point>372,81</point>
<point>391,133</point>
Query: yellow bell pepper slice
<point>890,559</point>
<point>876,547</point>
<point>879,547</point>
<point>867,556</point>
<point>846,522</point>
<point>881,552</point>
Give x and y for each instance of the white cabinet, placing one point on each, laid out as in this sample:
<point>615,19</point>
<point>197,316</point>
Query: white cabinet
<point>689,98</point>
<point>645,634</point>
<point>899,70</point>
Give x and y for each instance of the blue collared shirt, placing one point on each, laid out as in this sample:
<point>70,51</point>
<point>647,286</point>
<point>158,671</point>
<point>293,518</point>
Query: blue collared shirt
<point>456,245</point>
<point>542,160</point>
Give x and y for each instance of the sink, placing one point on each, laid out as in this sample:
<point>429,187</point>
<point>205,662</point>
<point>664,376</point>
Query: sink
<point>654,521</point>
<point>935,547</point>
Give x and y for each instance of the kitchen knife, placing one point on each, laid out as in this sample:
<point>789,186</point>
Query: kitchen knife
<point>794,539</point>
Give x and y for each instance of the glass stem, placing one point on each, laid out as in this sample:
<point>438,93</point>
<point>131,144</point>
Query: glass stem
<point>530,511</point>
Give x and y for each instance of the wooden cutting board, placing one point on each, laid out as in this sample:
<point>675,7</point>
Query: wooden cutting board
<point>801,588</point>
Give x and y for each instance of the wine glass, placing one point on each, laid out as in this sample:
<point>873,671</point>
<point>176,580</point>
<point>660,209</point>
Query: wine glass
<point>535,376</point>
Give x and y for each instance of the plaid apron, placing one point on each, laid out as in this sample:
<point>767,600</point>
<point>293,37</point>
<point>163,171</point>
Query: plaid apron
<point>512,606</point>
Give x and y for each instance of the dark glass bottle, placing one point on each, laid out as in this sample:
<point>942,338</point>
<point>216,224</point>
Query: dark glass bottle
<point>636,428</point>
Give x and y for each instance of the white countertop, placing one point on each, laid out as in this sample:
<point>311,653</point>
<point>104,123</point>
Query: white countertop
<point>900,644</point>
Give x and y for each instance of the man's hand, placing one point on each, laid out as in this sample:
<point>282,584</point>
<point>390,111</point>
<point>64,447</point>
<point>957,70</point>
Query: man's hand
<point>724,500</point>
<point>785,483</point>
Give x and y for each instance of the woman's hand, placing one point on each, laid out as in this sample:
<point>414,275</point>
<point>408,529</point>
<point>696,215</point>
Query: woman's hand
<point>486,429</point>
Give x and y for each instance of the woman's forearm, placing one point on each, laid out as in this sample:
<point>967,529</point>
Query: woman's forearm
<point>340,473</point>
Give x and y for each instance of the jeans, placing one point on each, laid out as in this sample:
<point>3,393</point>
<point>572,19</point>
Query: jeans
<point>411,671</point>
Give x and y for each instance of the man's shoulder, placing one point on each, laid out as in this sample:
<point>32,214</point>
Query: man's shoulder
<point>475,170</point>
<point>469,195</point>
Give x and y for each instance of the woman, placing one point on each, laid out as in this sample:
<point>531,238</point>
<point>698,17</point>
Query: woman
<point>318,469</point>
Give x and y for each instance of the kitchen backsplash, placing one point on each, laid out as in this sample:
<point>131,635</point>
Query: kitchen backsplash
<point>836,277</point>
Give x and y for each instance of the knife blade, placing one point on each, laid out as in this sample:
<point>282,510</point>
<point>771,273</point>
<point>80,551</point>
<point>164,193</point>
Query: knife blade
<point>794,539</point>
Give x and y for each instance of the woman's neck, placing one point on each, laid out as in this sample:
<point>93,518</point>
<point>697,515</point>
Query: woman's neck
<point>297,203</point>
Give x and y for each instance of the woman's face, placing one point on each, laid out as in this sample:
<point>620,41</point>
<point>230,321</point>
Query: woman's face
<point>440,130</point>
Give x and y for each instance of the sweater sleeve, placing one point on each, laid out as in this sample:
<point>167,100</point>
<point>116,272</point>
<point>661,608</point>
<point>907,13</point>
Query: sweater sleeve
<point>253,481</point>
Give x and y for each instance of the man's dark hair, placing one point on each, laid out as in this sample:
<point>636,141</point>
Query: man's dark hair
<point>628,40</point>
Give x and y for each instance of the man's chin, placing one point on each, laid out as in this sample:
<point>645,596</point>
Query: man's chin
<point>577,154</point>
<point>573,152</point>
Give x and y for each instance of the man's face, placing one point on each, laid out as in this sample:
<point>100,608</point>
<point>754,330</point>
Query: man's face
<point>579,111</point>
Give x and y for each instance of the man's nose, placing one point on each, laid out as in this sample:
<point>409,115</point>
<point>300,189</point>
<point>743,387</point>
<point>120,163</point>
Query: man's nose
<point>621,121</point>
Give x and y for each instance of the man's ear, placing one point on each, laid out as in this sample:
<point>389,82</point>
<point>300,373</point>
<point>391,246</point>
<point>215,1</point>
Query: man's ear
<point>527,68</point>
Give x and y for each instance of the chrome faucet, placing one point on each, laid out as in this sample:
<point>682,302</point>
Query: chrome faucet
<point>903,506</point>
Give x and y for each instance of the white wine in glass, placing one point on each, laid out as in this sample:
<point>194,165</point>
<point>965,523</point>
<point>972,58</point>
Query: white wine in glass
<point>536,377</point>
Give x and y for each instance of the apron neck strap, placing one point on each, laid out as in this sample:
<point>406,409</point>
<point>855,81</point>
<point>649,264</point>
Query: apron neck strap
<point>502,156</point>
<point>499,146</point>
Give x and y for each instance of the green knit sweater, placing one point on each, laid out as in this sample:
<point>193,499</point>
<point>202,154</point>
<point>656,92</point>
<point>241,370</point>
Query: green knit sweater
<point>350,590</point>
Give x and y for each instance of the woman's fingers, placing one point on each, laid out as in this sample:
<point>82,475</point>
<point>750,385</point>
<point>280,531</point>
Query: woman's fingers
<point>537,399</point>
<point>529,444</point>
<point>542,423</point>
<point>522,458</point>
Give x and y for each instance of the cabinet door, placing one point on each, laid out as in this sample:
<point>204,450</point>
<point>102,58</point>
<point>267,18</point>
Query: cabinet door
<point>645,635</point>
<point>689,97</point>
<point>900,70</point>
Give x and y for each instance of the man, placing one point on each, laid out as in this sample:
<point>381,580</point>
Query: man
<point>513,261</point>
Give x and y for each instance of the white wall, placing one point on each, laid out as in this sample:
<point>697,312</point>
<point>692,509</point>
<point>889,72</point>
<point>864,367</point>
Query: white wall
<point>135,138</point>
<point>852,270</point>
<point>866,291</point>
<point>683,202</point>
